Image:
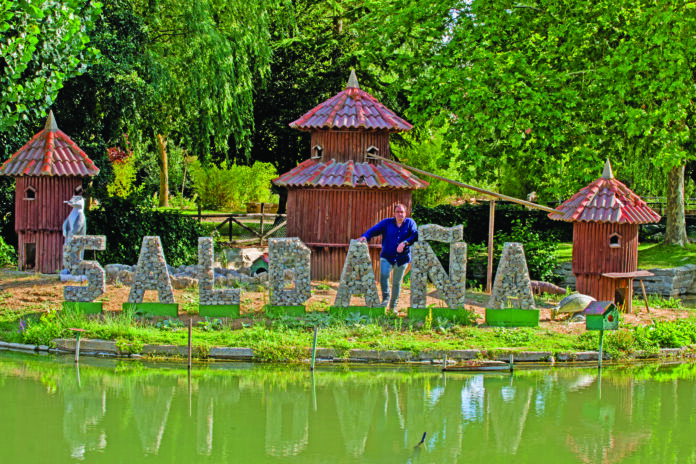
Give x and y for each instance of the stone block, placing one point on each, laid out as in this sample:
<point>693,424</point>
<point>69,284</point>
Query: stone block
<point>221,352</point>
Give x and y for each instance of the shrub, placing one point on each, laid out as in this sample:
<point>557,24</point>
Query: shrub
<point>125,221</point>
<point>231,187</point>
<point>540,253</point>
<point>123,163</point>
<point>8,256</point>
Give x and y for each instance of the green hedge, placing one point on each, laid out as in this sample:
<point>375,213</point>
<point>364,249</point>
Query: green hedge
<point>513,223</point>
<point>125,222</point>
<point>475,220</point>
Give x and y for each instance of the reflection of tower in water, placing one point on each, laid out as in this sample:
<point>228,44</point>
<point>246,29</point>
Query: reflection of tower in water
<point>602,430</point>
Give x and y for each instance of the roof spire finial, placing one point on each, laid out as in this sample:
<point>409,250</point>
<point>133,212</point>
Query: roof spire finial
<point>51,125</point>
<point>352,80</point>
<point>607,173</point>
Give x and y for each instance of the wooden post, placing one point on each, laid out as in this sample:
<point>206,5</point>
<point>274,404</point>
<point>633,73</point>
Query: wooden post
<point>164,171</point>
<point>263,206</point>
<point>231,224</point>
<point>200,218</point>
<point>491,230</point>
<point>189,343</point>
<point>645,297</point>
<point>601,343</point>
<point>314,347</point>
<point>77,348</point>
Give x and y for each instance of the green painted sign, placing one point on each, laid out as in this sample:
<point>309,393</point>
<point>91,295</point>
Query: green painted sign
<point>512,317</point>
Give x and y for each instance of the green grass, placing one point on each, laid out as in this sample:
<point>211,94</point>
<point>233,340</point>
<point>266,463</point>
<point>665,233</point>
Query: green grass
<point>650,255</point>
<point>658,255</point>
<point>290,338</point>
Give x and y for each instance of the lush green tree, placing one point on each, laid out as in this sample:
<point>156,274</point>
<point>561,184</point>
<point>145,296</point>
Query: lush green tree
<point>209,53</point>
<point>540,94</point>
<point>43,43</point>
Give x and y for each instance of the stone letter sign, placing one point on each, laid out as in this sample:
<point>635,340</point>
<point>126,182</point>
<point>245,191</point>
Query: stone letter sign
<point>425,264</point>
<point>96,282</point>
<point>512,280</point>
<point>152,273</point>
<point>357,277</point>
<point>288,254</point>
<point>207,295</point>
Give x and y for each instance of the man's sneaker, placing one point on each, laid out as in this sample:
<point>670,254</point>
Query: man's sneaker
<point>394,311</point>
<point>384,303</point>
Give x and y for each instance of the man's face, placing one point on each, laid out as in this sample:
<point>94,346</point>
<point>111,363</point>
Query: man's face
<point>399,213</point>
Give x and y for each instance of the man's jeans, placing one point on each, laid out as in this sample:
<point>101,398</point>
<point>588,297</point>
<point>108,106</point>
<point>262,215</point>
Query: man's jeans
<point>385,270</point>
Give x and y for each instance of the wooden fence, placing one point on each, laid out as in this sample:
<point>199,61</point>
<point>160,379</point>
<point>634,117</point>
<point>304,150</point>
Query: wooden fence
<point>268,225</point>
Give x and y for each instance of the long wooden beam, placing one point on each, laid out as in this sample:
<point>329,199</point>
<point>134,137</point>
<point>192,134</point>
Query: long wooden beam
<point>467,186</point>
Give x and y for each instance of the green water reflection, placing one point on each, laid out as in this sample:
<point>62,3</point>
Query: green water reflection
<point>110,411</point>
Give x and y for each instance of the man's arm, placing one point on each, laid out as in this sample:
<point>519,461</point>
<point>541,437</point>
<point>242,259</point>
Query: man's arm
<point>377,229</point>
<point>413,233</point>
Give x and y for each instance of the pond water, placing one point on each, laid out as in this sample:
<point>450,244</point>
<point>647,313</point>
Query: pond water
<point>110,411</point>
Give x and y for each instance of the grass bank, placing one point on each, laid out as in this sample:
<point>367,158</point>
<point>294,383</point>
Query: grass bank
<point>289,339</point>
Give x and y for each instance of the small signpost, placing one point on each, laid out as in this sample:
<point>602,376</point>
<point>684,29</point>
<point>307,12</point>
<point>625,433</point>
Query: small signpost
<point>601,315</point>
<point>78,332</point>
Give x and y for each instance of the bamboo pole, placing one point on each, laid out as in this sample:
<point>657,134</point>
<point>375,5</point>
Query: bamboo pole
<point>467,186</point>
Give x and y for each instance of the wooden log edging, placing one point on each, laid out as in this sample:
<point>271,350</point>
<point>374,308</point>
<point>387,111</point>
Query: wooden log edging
<point>106,348</point>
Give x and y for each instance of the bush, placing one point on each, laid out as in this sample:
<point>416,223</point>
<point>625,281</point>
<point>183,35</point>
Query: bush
<point>125,221</point>
<point>513,223</point>
<point>231,187</point>
<point>474,217</point>
<point>8,256</point>
<point>540,253</point>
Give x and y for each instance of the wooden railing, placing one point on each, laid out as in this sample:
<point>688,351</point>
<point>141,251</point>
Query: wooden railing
<point>245,220</point>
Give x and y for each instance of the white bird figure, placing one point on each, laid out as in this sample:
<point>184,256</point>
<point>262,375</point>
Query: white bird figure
<point>572,304</point>
<point>75,224</point>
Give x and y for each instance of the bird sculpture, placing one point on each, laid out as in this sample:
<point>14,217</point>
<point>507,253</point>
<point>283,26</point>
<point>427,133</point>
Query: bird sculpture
<point>75,224</point>
<point>572,304</point>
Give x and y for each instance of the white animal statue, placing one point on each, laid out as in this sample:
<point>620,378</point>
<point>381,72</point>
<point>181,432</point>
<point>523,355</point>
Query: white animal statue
<point>75,224</point>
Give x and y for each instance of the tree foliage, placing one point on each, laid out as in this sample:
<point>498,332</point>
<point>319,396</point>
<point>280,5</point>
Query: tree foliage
<point>209,53</point>
<point>544,91</point>
<point>43,43</point>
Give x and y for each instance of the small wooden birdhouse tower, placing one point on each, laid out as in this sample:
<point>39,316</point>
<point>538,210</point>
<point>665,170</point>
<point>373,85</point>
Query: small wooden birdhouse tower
<point>601,315</point>
<point>606,216</point>
<point>337,194</point>
<point>48,171</point>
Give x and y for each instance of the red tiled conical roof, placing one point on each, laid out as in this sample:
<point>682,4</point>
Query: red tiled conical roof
<point>312,173</point>
<point>352,108</point>
<point>49,153</point>
<point>606,200</point>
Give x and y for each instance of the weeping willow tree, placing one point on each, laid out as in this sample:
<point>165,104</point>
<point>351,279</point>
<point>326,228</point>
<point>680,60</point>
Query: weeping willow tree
<point>208,54</point>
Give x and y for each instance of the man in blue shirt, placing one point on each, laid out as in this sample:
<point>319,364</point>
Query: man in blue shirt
<point>398,234</point>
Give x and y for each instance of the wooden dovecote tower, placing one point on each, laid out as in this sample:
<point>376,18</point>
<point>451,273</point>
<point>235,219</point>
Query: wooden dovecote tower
<point>338,194</point>
<point>606,216</point>
<point>48,171</point>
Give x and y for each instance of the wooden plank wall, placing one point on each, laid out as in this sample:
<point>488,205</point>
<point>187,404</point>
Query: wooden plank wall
<point>592,256</point>
<point>350,145</point>
<point>48,210</point>
<point>327,219</point>
<point>40,221</point>
<point>49,250</point>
